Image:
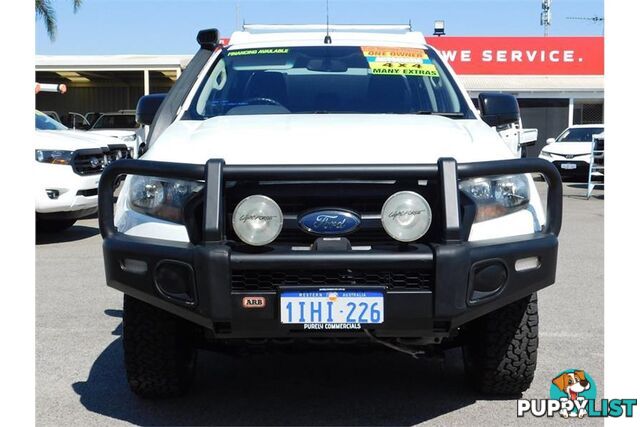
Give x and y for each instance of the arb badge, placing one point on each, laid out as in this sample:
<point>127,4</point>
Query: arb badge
<point>254,302</point>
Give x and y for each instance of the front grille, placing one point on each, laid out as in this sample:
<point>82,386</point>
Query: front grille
<point>93,161</point>
<point>89,162</point>
<point>582,168</point>
<point>117,152</point>
<point>265,280</point>
<point>365,198</point>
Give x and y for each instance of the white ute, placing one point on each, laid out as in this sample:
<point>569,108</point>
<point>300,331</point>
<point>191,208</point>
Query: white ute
<point>67,167</point>
<point>389,124</point>
<point>316,183</point>
<point>121,125</point>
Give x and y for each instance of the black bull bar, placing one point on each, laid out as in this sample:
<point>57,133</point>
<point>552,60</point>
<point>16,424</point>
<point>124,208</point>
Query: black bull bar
<point>452,258</point>
<point>447,171</point>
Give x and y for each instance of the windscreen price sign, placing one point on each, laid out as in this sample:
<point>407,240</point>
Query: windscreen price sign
<point>399,61</point>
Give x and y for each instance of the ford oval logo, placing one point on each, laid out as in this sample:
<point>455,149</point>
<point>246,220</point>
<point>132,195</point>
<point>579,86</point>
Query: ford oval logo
<point>329,221</point>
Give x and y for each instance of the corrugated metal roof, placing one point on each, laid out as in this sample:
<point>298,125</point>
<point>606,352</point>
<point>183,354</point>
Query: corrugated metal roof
<point>110,62</point>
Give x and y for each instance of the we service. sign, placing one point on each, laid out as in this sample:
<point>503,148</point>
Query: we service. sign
<point>523,55</point>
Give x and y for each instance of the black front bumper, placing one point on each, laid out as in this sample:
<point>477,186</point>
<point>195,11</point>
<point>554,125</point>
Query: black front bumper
<point>581,170</point>
<point>64,215</point>
<point>451,285</point>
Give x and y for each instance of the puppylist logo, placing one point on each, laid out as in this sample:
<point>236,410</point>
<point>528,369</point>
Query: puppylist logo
<point>573,394</point>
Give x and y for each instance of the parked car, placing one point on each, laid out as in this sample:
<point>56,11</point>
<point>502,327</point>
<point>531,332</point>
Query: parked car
<point>92,116</point>
<point>121,125</point>
<point>570,152</point>
<point>68,166</point>
<point>339,189</point>
<point>75,121</point>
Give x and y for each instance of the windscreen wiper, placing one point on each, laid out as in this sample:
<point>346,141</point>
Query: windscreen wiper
<point>440,113</point>
<point>325,112</point>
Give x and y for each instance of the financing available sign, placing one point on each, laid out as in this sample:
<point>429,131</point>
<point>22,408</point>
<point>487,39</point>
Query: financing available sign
<point>523,55</point>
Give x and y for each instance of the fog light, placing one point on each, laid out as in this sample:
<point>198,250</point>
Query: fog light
<point>406,216</point>
<point>489,277</point>
<point>257,220</point>
<point>174,279</point>
<point>53,194</point>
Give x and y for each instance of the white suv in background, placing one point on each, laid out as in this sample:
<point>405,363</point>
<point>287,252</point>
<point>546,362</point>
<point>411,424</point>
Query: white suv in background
<point>122,125</point>
<point>571,151</point>
<point>67,168</point>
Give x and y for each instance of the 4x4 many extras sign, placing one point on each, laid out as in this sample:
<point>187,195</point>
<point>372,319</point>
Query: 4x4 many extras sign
<point>523,55</point>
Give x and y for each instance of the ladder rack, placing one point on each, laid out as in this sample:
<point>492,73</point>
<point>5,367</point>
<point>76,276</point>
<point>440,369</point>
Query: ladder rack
<point>596,164</point>
<point>283,28</point>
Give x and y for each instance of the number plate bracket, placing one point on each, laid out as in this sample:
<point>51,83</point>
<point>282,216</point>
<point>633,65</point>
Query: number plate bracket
<point>329,308</point>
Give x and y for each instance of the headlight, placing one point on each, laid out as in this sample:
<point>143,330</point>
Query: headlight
<point>56,157</point>
<point>406,216</point>
<point>257,220</point>
<point>128,138</point>
<point>545,154</point>
<point>161,198</point>
<point>497,196</point>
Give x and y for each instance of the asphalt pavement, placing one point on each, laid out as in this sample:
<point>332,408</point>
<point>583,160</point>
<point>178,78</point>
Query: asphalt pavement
<point>80,374</point>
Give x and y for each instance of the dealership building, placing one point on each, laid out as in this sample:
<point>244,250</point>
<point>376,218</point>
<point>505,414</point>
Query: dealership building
<point>558,81</point>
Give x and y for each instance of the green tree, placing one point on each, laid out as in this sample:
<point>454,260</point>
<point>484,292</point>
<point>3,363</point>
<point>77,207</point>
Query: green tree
<point>46,12</point>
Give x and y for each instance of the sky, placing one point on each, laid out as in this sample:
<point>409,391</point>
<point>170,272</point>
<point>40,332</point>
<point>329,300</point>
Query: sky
<point>170,26</point>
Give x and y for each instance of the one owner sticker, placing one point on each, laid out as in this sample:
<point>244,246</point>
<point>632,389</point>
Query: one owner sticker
<point>399,61</point>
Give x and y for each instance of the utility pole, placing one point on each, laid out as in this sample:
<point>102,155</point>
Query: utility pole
<point>545,16</point>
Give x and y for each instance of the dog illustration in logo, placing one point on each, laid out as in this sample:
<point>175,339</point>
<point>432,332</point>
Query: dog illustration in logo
<point>572,383</point>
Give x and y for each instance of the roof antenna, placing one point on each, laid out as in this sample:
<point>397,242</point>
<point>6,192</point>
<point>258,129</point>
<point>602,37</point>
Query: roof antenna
<point>327,38</point>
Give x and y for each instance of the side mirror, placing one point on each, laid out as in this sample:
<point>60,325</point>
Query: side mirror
<point>551,141</point>
<point>148,107</point>
<point>499,109</point>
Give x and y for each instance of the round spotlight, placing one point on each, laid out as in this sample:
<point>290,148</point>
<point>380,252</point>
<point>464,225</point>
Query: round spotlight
<point>257,220</point>
<point>406,216</point>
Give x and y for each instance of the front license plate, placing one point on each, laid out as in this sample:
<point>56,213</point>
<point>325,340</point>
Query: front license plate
<point>331,307</point>
<point>569,166</point>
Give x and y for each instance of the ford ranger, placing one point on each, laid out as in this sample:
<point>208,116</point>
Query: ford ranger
<point>330,185</point>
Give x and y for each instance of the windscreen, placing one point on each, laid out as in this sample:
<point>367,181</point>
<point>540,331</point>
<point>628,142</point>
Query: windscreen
<point>116,121</point>
<point>579,134</point>
<point>44,122</point>
<point>328,79</point>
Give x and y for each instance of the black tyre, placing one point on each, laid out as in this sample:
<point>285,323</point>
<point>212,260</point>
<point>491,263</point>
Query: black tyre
<point>53,225</point>
<point>159,352</point>
<point>501,348</point>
